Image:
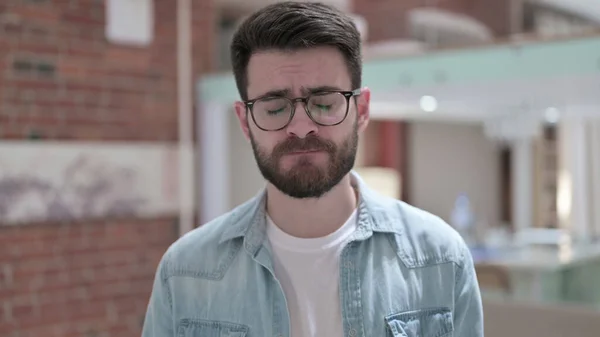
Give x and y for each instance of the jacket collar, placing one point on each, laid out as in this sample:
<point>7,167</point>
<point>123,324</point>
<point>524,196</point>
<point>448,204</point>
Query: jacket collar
<point>248,221</point>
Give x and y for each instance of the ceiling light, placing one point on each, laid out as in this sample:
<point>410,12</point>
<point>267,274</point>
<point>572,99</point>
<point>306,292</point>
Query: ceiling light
<point>429,103</point>
<point>552,115</point>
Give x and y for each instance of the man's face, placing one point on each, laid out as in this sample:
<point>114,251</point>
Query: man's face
<point>304,159</point>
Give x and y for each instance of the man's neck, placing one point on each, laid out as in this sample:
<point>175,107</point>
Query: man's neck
<point>312,218</point>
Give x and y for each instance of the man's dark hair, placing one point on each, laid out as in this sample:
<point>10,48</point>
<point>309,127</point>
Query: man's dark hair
<point>290,26</point>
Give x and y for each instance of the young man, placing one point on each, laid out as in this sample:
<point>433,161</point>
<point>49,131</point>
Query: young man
<point>317,253</point>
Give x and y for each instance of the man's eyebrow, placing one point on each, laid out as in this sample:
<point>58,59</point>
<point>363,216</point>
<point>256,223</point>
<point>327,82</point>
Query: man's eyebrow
<point>276,93</point>
<point>305,91</point>
<point>322,88</point>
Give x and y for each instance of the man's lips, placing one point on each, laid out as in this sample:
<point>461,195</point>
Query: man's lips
<point>304,151</point>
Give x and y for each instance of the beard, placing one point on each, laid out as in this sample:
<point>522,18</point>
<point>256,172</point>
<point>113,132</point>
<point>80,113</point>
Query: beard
<point>307,179</point>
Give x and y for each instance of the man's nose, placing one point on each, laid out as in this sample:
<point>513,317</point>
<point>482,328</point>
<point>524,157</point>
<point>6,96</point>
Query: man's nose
<point>301,125</point>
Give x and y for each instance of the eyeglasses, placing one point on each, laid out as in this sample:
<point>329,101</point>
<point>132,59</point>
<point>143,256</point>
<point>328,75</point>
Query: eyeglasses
<point>324,108</point>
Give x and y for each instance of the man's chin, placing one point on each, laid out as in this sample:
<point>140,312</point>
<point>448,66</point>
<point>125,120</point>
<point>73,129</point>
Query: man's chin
<point>301,179</point>
<point>286,166</point>
<point>303,190</point>
<point>304,172</point>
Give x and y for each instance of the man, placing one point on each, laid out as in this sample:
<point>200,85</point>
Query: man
<point>317,253</point>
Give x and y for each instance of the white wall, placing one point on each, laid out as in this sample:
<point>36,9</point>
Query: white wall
<point>246,179</point>
<point>447,159</point>
<point>64,181</point>
<point>594,175</point>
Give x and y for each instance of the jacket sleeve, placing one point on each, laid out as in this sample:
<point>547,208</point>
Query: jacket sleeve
<point>158,321</point>
<point>468,308</point>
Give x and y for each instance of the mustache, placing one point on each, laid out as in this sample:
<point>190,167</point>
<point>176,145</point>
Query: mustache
<point>310,143</point>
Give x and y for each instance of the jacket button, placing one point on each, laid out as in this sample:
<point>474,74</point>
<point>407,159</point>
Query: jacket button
<point>352,332</point>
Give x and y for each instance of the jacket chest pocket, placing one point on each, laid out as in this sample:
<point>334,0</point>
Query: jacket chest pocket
<point>202,328</point>
<point>435,322</point>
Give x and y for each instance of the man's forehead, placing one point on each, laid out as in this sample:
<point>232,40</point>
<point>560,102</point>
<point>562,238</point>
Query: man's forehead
<point>302,71</point>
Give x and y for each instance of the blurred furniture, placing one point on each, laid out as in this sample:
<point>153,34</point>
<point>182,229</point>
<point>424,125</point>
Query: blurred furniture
<point>521,319</point>
<point>493,279</point>
<point>542,274</point>
<point>381,179</point>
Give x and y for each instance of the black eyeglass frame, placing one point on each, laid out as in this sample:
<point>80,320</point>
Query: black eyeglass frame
<point>347,94</point>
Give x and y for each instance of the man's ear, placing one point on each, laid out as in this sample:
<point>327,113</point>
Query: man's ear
<point>242,115</point>
<point>363,108</point>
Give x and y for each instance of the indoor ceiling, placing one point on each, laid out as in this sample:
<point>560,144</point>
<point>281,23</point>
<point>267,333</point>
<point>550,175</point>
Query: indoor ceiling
<point>479,102</point>
<point>443,27</point>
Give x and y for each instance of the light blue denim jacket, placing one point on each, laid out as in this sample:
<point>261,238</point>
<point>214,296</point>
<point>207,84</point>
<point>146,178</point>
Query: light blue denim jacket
<point>404,273</point>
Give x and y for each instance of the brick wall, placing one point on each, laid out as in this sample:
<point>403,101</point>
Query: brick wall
<point>61,80</point>
<point>92,279</point>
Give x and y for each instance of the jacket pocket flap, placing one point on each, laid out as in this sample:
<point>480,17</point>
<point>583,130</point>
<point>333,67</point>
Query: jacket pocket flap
<point>205,328</point>
<point>436,322</point>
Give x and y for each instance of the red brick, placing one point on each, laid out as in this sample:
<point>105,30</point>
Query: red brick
<point>72,34</point>
<point>39,48</point>
<point>7,328</point>
<point>36,13</point>
<point>6,281</point>
<point>84,50</point>
<point>22,312</point>
<point>72,277</point>
<point>5,119</point>
<point>126,58</point>
<point>81,19</point>
<point>5,312</point>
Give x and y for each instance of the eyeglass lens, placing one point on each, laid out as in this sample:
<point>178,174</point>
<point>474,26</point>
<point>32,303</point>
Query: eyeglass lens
<point>275,112</point>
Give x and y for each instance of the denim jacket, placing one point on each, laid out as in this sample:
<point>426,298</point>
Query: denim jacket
<point>404,273</point>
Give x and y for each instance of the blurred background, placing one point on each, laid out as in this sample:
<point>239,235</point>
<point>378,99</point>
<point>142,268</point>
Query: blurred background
<point>117,135</point>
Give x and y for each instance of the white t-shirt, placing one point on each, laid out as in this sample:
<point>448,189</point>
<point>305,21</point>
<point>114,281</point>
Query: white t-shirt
<point>308,270</point>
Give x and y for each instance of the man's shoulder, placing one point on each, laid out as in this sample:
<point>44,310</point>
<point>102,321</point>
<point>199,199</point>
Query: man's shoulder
<point>422,237</point>
<point>203,251</point>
